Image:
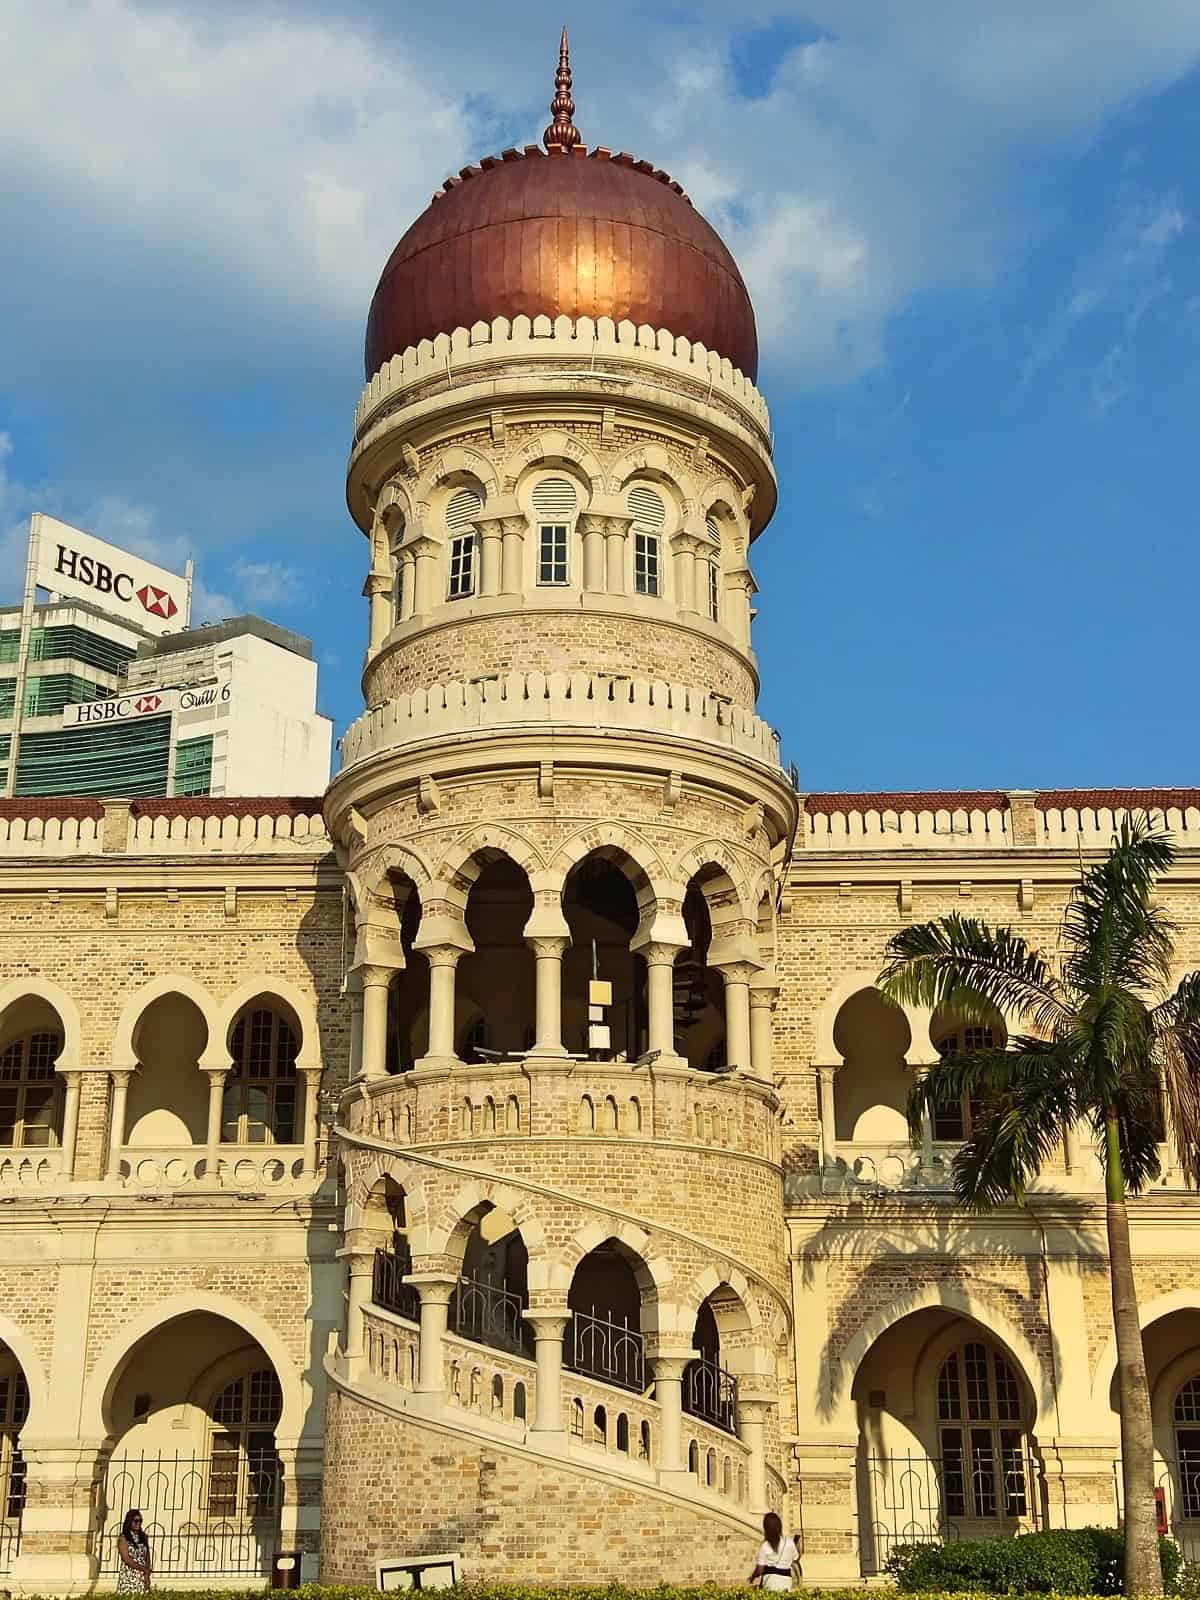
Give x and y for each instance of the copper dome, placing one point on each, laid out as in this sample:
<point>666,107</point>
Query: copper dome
<point>566,233</point>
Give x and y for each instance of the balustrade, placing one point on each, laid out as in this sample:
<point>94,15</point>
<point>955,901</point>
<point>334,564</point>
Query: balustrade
<point>600,1347</point>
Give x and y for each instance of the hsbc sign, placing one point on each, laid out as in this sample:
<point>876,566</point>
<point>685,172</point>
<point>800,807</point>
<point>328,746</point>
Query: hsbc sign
<point>71,562</point>
<point>121,708</point>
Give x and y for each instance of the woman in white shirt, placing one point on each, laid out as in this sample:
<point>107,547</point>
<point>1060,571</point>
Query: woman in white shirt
<point>776,1556</point>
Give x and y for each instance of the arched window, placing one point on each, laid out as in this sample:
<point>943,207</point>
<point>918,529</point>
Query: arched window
<point>243,1466</point>
<point>260,1093</point>
<point>713,528</point>
<point>14,1408</point>
<point>462,508</point>
<point>982,1436</point>
<point>1187,1443</point>
<point>649,518</point>
<point>554,506</point>
<point>953,1119</point>
<point>30,1098</point>
<point>398,565</point>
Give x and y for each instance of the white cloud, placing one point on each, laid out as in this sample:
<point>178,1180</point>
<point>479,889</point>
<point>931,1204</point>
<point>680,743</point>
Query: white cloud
<point>268,583</point>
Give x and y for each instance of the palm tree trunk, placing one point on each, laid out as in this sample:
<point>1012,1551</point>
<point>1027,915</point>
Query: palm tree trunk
<point>1143,1570</point>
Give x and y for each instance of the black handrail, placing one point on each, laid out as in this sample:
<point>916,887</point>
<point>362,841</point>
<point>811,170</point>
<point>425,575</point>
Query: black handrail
<point>710,1393</point>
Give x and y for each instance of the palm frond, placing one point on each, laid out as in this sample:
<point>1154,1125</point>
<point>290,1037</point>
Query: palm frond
<point>1016,1128</point>
<point>1138,1109</point>
<point>1177,1056</point>
<point>973,970</point>
<point>1112,934</point>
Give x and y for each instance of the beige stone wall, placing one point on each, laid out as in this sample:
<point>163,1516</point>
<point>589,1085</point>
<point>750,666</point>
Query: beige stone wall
<point>536,640</point>
<point>394,1487</point>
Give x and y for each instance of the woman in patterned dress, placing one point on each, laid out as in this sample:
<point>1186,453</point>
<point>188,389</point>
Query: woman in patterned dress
<point>133,1549</point>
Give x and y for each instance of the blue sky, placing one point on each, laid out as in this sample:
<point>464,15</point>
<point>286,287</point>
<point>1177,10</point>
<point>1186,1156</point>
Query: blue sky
<point>970,231</point>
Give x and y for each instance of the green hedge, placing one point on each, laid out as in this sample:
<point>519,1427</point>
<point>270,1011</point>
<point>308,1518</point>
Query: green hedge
<point>1077,1561</point>
<point>1188,1581</point>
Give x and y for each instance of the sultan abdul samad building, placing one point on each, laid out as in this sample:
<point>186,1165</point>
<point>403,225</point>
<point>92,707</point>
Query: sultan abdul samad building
<point>503,1155</point>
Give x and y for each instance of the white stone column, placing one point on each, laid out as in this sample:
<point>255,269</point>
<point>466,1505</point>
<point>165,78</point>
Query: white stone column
<point>376,981</point>
<point>684,557</point>
<point>826,1109</point>
<point>360,1272</point>
<point>443,965</point>
<point>435,1290</point>
<point>752,1431</point>
<point>512,575</point>
<point>592,529</point>
<point>70,1132</point>
<point>548,954</point>
<point>116,1126</point>
<point>548,1329</point>
<point>312,1090</point>
<point>425,551</point>
<point>920,1070</point>
<point>615,529</point>
<point>668,1392</point>
<point>212,1144</point>
<point>764,992</point>
<point>378,590</point>
<point>660,993</point>
<point>737,976</point>
<point>408,585</point>
<point>491,560</point>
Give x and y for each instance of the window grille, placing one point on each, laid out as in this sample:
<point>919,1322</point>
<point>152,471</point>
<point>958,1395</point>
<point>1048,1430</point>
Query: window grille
<point>462,567</point>
<point>463,506</point>
<point>398,591</point>
<point>984,1467</point>
<point>260,1095</point>
<point>713,527</point>
<point>243,1465</point>
<point>1187,1402</point>
<point>646,579</point>
<point>552,553</point>
<point>30,1099</point>
<point>714,591</point>
<point>952,1119</point>
<point>555,500</point>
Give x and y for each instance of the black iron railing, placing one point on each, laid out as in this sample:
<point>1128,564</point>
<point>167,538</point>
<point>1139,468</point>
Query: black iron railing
<point>10,1543</point>
<point>1177,1496</point>
<point>916,1499</point>
<point>388,1288</point>
<point>710,1393</point>
<point>600,1347</point>
<point>203,1515</point>
<point>489,1313</point>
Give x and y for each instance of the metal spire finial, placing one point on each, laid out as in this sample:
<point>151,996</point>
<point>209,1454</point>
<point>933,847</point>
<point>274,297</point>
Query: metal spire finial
<point>562,134</point>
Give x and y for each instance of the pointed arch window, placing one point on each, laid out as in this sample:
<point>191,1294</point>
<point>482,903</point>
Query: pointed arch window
<point>462,509</point>
<point>1186,1418</point>
<point>713,528</point>
<point>244,1470</point>
<point>30,1091</point>
<point>649,519</point>
<point>259,1105</point>
<point>982,1428</point>
<point>554,505</point>
<point>14,1409</point>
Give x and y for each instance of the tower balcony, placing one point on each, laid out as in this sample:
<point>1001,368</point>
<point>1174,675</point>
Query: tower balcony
<point>587,702</point>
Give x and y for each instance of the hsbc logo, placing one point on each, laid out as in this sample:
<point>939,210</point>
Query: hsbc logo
<point>156,601</point>
<point>147,702</point>
<point>98,575</point>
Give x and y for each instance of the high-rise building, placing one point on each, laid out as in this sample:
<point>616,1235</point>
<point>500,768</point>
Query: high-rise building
<point>501,1160</point>
<point>110,709</point>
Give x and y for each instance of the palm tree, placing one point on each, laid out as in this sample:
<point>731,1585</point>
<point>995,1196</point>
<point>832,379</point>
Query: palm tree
<point>1105,1042</point>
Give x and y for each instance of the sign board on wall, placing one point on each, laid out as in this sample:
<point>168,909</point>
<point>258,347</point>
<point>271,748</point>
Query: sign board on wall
<point>145,703</point>
<point>71,562</point>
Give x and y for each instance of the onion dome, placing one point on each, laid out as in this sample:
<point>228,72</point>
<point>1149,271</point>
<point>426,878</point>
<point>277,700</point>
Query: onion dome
<point>562,232</point>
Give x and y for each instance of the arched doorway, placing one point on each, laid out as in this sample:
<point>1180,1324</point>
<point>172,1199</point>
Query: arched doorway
<point>193,1412</point>
<point>600,905</point>
<point>492,1293</point>
<point>494,993</point>
<point>604,1339</point>
<point>14,1409</point>
<point>946,1448</point>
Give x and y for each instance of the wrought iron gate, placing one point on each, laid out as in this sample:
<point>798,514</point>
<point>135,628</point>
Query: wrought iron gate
<point>212,1515</point>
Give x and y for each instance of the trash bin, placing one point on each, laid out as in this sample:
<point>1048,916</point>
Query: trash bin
<point>285,1569</point>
